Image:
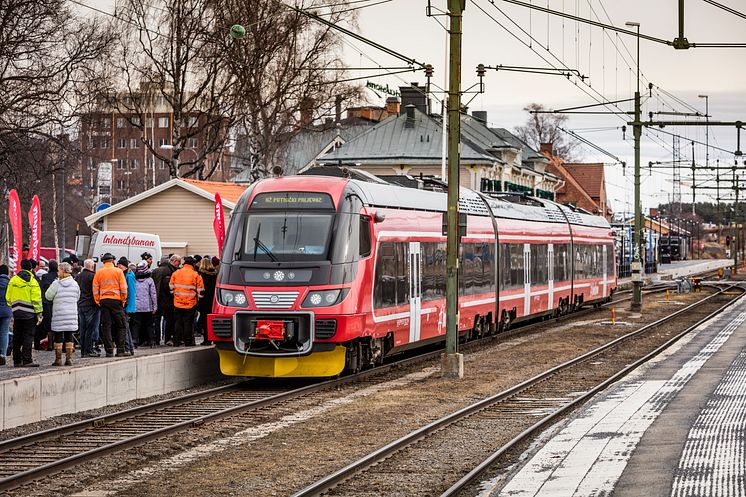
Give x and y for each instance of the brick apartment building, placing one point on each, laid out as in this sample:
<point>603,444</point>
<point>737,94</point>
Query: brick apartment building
<point>107,135</point>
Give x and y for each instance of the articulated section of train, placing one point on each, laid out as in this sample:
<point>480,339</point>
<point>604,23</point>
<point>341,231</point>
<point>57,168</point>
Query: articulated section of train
<point>325,274</point>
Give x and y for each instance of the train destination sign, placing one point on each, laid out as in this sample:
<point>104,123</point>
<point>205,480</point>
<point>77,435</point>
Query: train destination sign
<point>292,200</point>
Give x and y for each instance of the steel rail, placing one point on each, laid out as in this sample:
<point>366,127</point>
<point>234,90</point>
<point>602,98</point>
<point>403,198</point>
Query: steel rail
<point>523,436</point>
<point>32,474</point>
<point>382,453</point>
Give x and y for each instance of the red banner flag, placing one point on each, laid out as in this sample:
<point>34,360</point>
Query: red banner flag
<point>218,225</point>
<point>34,222</point>
<point>16,226</point>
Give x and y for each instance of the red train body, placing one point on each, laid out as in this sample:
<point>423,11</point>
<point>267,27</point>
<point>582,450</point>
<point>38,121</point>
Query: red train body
<point>322,274</point>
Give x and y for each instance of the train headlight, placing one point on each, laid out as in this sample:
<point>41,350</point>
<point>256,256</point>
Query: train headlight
<point>232,298</point>
<point>324,298</point>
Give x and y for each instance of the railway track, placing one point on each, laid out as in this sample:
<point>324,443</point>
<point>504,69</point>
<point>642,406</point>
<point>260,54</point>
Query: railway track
<point>408,465</point>
<point>34,456</point>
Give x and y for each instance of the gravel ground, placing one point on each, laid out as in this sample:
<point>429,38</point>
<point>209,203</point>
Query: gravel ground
<point>280,449</point>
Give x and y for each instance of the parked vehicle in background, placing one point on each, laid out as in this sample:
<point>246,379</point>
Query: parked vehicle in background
<point>127,244</point>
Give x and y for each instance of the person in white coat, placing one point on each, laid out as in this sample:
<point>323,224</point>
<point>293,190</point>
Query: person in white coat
<point>64,294</point>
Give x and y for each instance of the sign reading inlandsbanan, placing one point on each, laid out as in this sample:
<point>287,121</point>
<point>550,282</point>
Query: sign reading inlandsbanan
<point>382,89</point>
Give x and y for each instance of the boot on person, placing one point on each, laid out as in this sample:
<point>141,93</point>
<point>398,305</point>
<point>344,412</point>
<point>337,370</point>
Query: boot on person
<point>69,348</point>
<point>57,354</point>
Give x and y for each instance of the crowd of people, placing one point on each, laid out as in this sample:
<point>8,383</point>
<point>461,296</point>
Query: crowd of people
<point>120,306</point>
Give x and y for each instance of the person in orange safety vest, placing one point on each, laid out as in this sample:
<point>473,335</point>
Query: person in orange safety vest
<point>187,287</point>
<point>110,293</point>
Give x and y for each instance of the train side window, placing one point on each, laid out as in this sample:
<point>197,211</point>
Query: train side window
<point>402,275</point>
<point>539,265</point>
<point>511,265</point>
<point>386,276</point>
<point>561,268</point>
<point>365,243</point>
<point>609,260</point>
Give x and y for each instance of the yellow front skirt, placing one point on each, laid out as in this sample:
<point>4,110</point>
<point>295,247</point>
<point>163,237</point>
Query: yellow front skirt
<point>317,364</point>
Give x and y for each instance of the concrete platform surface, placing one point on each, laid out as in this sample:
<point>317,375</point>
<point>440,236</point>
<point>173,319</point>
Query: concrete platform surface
<point>28,395</point>
<point>678,269</point>
<point>675,427</point>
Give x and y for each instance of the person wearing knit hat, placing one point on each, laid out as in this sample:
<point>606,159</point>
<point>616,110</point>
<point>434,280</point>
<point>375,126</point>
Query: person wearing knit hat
<point>45,330</point>
<point>24,298</point>
<point>146,305</point>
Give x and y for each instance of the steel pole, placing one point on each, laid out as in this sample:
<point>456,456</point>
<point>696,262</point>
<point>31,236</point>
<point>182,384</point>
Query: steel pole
<point>637,239</point>
<point>452,365</point>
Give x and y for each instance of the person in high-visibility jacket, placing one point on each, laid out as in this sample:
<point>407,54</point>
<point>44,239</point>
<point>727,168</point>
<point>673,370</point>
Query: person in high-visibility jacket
<point>24,298</point>
<point>110,293</point>
<point>187,286</point>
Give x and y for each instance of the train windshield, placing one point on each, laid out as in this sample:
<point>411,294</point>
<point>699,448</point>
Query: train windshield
<point>287,236</point>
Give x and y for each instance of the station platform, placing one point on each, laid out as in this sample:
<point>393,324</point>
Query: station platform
<point>678,269</point>
<point>28,395</point>
<point>675,427</point>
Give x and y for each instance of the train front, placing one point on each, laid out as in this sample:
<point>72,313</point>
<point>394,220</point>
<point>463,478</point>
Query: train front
<point>289,290</point>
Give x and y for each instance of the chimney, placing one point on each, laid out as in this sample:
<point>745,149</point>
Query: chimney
<point>414,95</point>
<point>306,112</point>
<point>480,115</point>
<point>392,106</point>
<point>338,109</point>
<point>409,109</point>
<point>546,148</point>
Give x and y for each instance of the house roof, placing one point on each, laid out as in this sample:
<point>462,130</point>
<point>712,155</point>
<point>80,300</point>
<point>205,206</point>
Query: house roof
<point>310,143</point>
<point>589,176</point>
<point>527,152</point>
<point>229,194</point>
<point>392,142</point>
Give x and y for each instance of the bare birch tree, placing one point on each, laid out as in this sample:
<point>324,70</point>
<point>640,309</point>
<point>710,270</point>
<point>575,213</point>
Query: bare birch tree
<point>169,54</point>
<point>288,71</point>
<point>544,128</point>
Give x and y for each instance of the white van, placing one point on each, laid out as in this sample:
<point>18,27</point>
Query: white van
<point>124,243</point>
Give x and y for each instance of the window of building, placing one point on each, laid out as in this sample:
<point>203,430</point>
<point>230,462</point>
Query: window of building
<point>149,122</point>
<point>136,121</point>
<point>148,142</point>
<point>162,141</point>
<point>120,184</point>
<point>160,100</point>
<point>120,163</point>
<point>192,121</point>
<point>106,123</point>
<point>163,122</point>
<point>162,164</point>
<point>192,143</point>
<point>122,143</point>
<point>92,142</point>
<point>105,143</point>
<point>134,143</point>
<point>121,122</point>
<point>149,163</point>
<point>134,163</point>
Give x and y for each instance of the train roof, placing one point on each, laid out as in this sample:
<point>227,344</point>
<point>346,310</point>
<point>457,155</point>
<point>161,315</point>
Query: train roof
<point>507,206</point>
<point>384,194</point>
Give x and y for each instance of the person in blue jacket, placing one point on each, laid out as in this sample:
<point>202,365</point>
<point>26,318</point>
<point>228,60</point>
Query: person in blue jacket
<point>5,313</point>
<point>130,307</point>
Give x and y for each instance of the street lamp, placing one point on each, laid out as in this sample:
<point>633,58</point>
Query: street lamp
<point>637,128</point>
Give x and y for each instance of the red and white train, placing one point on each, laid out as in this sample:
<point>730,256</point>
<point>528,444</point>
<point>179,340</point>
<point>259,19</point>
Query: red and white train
<point>323,274</point>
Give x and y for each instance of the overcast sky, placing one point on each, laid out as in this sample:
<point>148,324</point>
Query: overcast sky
<point>598,54</point>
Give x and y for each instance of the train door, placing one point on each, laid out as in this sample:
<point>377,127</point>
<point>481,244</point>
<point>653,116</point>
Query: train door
<point>415,291</point>
<point>526,279</point>
<point>550,276</point>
